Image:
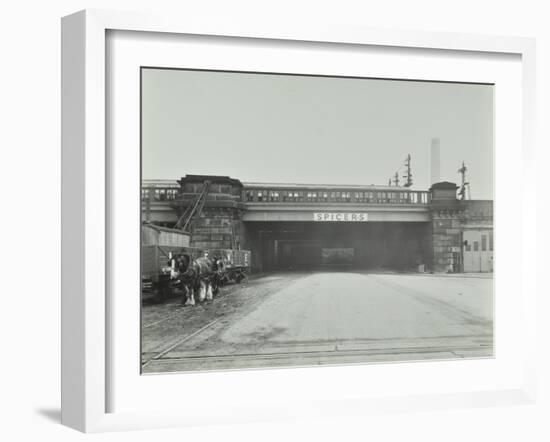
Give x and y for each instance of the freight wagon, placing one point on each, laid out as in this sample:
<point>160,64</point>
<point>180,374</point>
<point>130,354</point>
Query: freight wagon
<point>159,244</point>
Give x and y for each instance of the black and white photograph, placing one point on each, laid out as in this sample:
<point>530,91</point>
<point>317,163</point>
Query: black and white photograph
<point>292,220</point>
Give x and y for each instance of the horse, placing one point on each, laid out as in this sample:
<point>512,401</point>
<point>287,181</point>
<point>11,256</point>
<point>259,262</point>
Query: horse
<point>203,274</point>
<point>210,273</point>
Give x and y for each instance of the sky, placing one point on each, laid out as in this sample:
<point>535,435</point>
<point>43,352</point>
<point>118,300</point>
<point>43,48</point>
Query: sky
<point>322,130</point>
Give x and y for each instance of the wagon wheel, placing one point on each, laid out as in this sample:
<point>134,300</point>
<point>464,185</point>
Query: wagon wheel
<point>239,277</point>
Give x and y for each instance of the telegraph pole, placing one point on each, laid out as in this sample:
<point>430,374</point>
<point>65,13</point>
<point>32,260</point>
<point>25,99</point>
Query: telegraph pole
<point>396,179</point>
<point>408,174</point>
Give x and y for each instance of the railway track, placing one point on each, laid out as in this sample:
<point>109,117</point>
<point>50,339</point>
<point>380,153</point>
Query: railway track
<point>309,357</point>
<point>178,342</point>
<point>305,358</point>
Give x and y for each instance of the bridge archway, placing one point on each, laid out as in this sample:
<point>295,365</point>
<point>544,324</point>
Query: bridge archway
<point>304,245</point>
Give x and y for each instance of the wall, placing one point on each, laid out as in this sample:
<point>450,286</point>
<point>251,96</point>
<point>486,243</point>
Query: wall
<point>30,157</point>
<point>218,225</point>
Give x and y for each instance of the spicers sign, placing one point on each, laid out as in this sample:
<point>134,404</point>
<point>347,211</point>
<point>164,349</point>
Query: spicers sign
<point>340,216</point>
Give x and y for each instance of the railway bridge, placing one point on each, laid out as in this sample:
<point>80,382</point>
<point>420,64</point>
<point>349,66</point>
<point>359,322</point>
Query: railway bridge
<point>312,226</point>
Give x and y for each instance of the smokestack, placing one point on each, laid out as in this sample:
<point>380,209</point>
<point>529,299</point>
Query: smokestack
<point>435,162</point>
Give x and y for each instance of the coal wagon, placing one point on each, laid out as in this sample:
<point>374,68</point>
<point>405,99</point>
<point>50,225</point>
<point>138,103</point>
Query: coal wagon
<point>236,263</point>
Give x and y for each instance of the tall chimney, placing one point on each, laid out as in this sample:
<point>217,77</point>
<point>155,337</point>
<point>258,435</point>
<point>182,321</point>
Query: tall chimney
<point>435,162</point>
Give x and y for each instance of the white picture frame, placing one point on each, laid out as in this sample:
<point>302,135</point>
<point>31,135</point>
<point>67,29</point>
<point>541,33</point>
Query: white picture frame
<point>85,217</point>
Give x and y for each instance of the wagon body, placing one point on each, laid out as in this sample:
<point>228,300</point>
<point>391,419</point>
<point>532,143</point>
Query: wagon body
<point>233,258</point>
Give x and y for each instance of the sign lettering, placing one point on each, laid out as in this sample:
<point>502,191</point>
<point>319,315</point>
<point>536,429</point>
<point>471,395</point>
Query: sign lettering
<point>340,217</point>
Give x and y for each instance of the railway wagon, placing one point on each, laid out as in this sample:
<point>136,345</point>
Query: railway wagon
<point>159,244</point>
<point>237,263</point>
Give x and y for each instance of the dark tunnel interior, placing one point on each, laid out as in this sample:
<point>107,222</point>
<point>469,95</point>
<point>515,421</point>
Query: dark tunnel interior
<point>398,246</point>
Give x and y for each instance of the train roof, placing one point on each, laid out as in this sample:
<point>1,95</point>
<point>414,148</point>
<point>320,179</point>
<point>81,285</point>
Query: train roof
<point>159,183</point>
<point>282,186</point>
<point>273,186</point>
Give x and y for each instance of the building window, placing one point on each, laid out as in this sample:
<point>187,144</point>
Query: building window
<point>273,196</point>
<point>144,194</point>
<point>491,241</point>
<point>468,247</point>
<point>249,195</point>
<point>483,243</point>
<point>260,195</point>
<point>476,246</point>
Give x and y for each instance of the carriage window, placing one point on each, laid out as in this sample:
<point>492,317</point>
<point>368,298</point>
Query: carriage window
<point>274,196</point>
<point>468,247</point>
<point>312,196</point>
<point>491,241</point>
<point>250,195</point>
<point>260,195</point>
<point>171,194</point>
<point>144,194</point>
<point>476,246</point>
<point>160,194</point>
<point>483,243</point>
